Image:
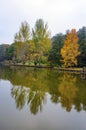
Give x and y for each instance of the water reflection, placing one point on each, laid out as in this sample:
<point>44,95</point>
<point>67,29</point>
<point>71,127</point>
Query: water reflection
<point>23,96</point>
<point>68,90</point>
<point>30,87</point>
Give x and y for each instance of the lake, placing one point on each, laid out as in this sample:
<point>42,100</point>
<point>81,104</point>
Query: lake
<point>41,99</point>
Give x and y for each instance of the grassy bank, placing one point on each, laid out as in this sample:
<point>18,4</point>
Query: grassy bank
<point>72,70</point>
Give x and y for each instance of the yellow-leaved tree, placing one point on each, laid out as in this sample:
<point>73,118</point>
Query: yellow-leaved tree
<point>70,50</point>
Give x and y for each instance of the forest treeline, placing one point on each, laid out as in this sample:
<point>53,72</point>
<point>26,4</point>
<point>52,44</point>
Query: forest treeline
<point>36,47</point>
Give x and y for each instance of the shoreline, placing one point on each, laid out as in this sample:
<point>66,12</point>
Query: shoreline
<point>71,70</point>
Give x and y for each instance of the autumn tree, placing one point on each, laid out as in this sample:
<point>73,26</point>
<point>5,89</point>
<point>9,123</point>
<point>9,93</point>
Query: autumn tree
<point>70,50</point>
<point>41,39</point>
<point>22,42</point>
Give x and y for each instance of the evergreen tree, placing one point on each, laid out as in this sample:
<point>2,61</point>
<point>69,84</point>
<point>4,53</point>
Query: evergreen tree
<point>82,43</point>
<point>55,52</point>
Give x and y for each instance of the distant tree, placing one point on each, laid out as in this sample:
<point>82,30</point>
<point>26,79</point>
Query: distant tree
<point>3,48</point>
<point>55,52</point>
<point>41,39</point>
<point>10,52</point>
<point>70,50</point>
<point>67,31</point>
<point>82,43</point>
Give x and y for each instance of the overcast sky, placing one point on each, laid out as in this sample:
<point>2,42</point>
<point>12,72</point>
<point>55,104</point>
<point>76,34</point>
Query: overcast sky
<point>59,14</point>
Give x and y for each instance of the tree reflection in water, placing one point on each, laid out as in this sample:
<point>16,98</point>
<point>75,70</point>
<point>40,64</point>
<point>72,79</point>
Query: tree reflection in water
<point>23,96</point>
<point>68,90</point>
<point>36,100</point>
<point>30,87</point>
<point>19,94</point>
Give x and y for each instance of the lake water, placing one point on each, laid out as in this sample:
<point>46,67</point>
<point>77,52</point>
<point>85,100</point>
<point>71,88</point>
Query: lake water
<point>41,99</point>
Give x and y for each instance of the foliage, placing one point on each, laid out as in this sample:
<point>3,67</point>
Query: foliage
<point>70,51</point>
<point>23,34</point>
<point>37,47</point>
<point>41,39</point>
<point>22,42</point>
<point>10,52</point>
<point>82,43</point>
<point>57,44</point>
<point>3,48</point>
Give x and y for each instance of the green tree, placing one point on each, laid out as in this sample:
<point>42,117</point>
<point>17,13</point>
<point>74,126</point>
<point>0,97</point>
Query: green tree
<point>55,52</point>
<point>82,43</point>
<point>70,50</point>
<point>10,52</point>
<point>41,39</point>
<point>3,48</point>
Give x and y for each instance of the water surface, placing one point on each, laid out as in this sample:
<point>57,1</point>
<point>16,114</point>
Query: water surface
<point>41,99</point>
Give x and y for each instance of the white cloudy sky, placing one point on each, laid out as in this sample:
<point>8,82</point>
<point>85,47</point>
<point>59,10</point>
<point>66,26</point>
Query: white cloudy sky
<point>59,14</point>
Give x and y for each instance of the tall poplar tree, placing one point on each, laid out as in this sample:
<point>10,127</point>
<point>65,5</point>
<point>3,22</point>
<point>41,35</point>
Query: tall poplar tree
<point>22,42</point>
<point>70,50</point>
<point>41,39</point>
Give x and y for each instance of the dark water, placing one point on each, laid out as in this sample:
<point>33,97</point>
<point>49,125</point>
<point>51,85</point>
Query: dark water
<point>41,99</point>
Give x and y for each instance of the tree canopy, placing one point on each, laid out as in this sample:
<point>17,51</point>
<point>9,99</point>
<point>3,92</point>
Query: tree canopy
<point>41,39</point>
<point>70,50</point>
<point>82,43</point>
<point>57,44</point>
<point>37,47</point>
<point>22,42</point>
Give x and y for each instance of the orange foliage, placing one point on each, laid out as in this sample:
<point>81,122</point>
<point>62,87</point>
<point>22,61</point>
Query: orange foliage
<point>70,51</point>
